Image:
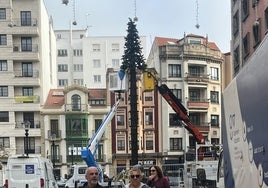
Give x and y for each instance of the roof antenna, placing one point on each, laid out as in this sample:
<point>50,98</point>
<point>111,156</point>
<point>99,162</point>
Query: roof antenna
<point>197,14</point>
<point>135,8</point>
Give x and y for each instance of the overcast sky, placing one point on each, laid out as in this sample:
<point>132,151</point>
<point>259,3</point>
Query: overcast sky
<point>162,18</point>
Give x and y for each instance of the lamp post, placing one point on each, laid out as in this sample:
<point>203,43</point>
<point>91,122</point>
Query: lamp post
<point>53,138</point>
<point>26,127</point>
<point>72,153</point>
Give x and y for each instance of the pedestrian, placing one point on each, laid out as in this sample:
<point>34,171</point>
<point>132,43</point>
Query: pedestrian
<point>144,178</point>
<point>92,177</point>
<point>156,178</point>
<point>135,177</point>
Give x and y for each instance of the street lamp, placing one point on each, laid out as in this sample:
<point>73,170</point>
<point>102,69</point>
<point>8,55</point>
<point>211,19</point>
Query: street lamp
<point>53,138</point>
<point>72,153</point>
<point>26,127</point>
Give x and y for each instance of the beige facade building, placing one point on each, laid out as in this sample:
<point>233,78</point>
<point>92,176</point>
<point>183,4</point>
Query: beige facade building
<point>192,68</point>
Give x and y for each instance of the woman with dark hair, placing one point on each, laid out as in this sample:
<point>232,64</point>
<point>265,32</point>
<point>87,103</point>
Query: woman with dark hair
<point>156,178</point>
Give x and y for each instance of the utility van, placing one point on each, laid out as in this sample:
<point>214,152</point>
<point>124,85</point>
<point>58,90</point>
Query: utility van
<point>76,176</point>
<point>29,172</point>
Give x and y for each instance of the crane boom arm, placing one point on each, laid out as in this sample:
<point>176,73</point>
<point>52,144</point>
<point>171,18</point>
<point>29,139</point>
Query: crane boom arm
<point>181,111</point>
<point>88,153</point>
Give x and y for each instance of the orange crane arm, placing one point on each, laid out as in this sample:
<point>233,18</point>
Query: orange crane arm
<point>181,111</point>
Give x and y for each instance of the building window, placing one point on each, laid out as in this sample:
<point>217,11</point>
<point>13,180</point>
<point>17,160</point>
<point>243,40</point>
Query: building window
<point>78,52</point>
<point>177,93</point>
<point>26,44</point>
<point>97,124</point>
<point>4,116</point>
<point>149,144</point>
<point>96,63</point>
<point>27,69</point>
<point>76,103</point>
<point>97,78</point>
<point>115,63</point>
<point>26,18</point>
<point>62,82</point>
<point>174,120</point>
<point>2,13</point>
<point>79,81</point>
<point>96,47</point>
<point>3,39</point>
<point>215,120</point>
<point>4,141</point>
<point>3,65</point>
<point>174,70</point>
<point>245,9</point>
<point>266,18</point>
<point>175,144</point>
<point>115,47</point>
<point>95,102</point>
<point>214,96</point>
<point>121,144</point>
<point>236,60</point>
<point>62,68</point>
<point>3,91</point>
<point>148,98</point>
<point>246,45</point>
<point>27,91</point>
<point>214,73</point>
<point>31,142</point>
<point>58,36</point>
<point>78,68</point>
<point>148,118</point>
<point>194,95</point>
<point>235,24</point>
<point>195,119</point>
<point>62,52</point>
<point>120,120</point>
<point>257,32</point>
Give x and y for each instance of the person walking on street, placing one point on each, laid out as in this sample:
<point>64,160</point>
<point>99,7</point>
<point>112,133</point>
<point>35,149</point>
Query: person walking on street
<point>135,177</point>
<point>92,175</point>
<point>156,178</point>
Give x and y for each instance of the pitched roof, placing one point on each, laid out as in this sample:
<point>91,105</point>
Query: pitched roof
<point>163,41</point>
<point>55,99</point>
<point>97,94</point>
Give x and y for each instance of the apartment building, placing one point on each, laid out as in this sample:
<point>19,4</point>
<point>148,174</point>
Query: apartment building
<point>249,26</point>
<point>27,72</point>
<point>84,60</point>
<point>71,116</point>
<point>191,68</point>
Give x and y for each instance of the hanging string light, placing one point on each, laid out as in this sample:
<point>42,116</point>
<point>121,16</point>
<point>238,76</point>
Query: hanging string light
<point>135,8</point>
<point>197,14</point>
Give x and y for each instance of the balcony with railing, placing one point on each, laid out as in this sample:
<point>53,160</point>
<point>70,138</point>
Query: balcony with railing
<point>27,99</point>
<point>198,103</point>
<point>54,135</point>
<point>25,52</point>
<point>197,78</point>
<point>202,126</point>
<point>32,124</point>
<point>79,108</point>
<point>20,26</point>
<point>31,150</point>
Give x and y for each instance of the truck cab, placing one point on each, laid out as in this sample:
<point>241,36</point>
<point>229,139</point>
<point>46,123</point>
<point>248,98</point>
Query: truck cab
<point>76,176</point>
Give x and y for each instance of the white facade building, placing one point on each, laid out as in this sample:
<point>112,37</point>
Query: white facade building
<point>27,72</point>
<point>85,60</point>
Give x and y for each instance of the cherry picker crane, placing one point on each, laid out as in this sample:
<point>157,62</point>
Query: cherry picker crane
<point>175,103</point>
